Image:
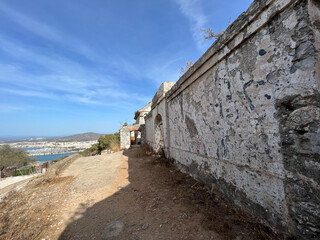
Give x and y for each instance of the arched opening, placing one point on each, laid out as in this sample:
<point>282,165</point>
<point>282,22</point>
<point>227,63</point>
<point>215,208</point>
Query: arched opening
<point>158,134</point>
<point>135,137</point>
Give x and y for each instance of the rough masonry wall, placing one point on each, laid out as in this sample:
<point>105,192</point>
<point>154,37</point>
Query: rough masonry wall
<point>149,127</point>
<point>245,117</point>
<point>299,116</point>
<point>158,107</point>
<point>125,141</point>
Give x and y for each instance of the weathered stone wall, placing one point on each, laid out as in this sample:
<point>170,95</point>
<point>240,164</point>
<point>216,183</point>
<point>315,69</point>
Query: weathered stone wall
<point>149,128</point>
<point>125,141</point>
<point>246,117</point>
<point>299,116</point>
<point>143,133</point>
<point>159,107</point>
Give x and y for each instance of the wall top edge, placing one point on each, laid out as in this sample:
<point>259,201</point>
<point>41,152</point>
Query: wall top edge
<point>254,10</point>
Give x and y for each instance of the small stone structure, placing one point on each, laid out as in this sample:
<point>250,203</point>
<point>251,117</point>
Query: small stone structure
<point>134,134</point>
<point>245,118</point>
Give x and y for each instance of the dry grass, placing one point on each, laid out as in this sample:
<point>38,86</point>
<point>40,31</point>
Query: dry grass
<point>143,150</point>
<point>30,212</point>
<point>54,170</point>
<point>115,145</point>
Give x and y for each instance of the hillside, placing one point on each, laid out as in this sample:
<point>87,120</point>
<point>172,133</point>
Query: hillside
<point>90,136</point>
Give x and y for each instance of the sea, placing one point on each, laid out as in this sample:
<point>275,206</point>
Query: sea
<point>48,158</point>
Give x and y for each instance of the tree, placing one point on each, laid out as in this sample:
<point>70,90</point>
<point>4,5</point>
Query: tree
<point>11,157</point>
<point>104,142</point>
<point>111,141</point>
<point>93,150</point>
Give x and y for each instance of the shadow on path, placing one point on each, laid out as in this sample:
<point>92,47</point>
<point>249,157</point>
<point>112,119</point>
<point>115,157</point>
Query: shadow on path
<point>162,203</point>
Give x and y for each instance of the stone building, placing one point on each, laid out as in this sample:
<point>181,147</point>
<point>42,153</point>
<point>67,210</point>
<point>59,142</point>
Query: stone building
<point>134,134</point>
<point>141,113</point>
<point>245,118</point>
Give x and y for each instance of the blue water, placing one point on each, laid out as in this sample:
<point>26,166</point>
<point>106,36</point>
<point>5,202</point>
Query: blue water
<point>48,158</point>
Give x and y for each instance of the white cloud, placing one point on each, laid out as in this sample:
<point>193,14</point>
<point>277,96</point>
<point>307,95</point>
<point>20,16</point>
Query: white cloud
<point>9,108</point>
<point>30,24</point>
<point>28,93</point>
<point>168,72</point>
<point>48,32</point>
<point>61,77</point>
<point>62,38</point>
<point>68,81</point>
<point>193,11</point>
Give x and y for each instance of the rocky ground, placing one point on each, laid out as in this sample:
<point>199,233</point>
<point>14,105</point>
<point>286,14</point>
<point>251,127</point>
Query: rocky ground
<point>123,195</point>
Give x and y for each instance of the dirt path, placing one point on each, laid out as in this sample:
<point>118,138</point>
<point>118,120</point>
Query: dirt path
<point>93,173</point>
<point>16,186</point>
<point>121,196</point>
<point>94,179</point>
<point>4,183</point>
<point>133,200</point>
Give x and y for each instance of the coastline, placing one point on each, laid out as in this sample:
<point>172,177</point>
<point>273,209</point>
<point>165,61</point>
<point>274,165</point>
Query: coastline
<point>50,153</point>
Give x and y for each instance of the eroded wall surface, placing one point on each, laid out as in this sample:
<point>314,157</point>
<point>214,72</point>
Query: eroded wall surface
<point>299,116</point>
<point>159,107</point>
<point>125,141</point>
<point>246,117</point>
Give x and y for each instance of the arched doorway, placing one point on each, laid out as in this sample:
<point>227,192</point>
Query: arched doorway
<point>135,136</point>
<point>158,134</point>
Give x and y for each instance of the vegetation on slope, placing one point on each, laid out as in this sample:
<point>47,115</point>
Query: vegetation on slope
<point>109,141</point>
<point>11,157</point>
<point>31,212</point>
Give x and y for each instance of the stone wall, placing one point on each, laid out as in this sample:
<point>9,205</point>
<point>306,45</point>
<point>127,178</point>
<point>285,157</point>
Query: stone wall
<point>158,107</point>
<point>246,117</point>
<point>125,141</point>
<point>299,117</point>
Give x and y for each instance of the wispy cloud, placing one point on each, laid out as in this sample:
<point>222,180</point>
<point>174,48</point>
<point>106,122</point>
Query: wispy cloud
<point>8,108</point>
<point>62,38</point>
<point>193,11</point>
<point>126,66</point>
<point>68,80</point>
<point>30,24</point>
<point>28,93</point>
<point>168,72</point>
<point>60,77</point>
<point>47,32</point>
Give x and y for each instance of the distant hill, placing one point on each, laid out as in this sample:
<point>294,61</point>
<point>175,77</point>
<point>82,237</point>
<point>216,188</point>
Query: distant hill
<point>90,136</point>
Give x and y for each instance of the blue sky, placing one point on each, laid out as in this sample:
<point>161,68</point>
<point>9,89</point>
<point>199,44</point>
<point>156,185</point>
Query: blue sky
<point>76,66</point>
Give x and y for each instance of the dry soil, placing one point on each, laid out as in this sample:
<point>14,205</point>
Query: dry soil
<point>123,195</point>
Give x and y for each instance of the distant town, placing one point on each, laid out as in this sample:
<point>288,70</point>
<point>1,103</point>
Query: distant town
<point>49,146</point>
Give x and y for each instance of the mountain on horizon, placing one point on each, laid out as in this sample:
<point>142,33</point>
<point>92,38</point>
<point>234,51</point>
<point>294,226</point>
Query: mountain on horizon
<point>89,136</point>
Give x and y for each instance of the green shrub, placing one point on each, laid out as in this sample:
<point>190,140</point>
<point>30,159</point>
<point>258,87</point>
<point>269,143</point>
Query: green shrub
<point>12,157</point>
<point>104,142</point>
<point>24,171</point>
<point>93,150</point>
